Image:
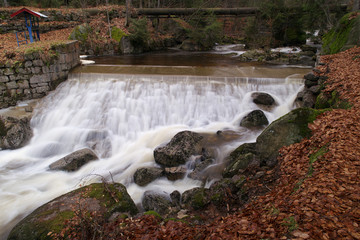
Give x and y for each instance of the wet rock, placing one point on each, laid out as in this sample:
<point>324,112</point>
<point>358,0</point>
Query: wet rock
<point>175,197</point>
<point>196,198</point>
<point>14,133</point>
<point>226,189</point>
<point>200,166</point>
<point>263,99</point>
<point>239,159</point>
<point>158,202</point>
<point>255,118</point>
<point>175,173</point>
<point>311,77</point>
<point>309,99</point>
<point>179,149</point>
<point>74,161</point>
<point>101,199</point>
<point>289,129</point>
<point>144,176</point>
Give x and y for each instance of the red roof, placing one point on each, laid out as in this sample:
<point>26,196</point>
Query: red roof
<point>23,10</point>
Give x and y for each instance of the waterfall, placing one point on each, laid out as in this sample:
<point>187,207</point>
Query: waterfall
<point>124,118</point>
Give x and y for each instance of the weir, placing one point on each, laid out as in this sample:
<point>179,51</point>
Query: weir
<point>123,118</point>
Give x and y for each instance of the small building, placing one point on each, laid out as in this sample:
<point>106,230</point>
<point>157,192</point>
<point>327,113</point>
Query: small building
<point>31,30</point>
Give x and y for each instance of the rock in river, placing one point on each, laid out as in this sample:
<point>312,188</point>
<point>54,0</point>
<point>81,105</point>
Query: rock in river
<point>74,161</point>
<point>179,149</point>
<point>255,118</point>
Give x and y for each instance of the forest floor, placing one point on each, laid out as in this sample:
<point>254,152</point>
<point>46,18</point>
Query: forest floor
<point>317,192</point>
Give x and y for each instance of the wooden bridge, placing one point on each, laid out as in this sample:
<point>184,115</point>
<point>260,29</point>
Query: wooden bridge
<point>168,12</point>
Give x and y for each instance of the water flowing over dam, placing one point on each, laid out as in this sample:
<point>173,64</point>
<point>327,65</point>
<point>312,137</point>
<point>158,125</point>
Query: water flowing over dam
<point>123,117</point>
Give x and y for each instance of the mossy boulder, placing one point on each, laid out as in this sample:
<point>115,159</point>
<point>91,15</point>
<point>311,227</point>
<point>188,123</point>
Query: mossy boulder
<point>196,198</point>
<point>345,35</point>
<point>117,34</point>
<point>287,130</point>
<point>100,198</point>
<point>81,33</point>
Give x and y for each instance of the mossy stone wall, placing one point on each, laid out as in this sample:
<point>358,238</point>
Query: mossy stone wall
<point>35,77</point>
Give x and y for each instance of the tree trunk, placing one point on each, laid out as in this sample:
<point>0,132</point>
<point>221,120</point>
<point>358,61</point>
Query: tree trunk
<point>127,20</point>
<point>6,4</point>
<point>158,5</point>
<point>140,4</point>
<point>108,18</point>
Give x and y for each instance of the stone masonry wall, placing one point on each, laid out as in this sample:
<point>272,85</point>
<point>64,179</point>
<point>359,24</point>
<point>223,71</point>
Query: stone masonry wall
<point>36,76</point>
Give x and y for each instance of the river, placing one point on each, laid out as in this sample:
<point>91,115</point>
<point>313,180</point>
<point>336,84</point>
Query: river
<point>124,107</point>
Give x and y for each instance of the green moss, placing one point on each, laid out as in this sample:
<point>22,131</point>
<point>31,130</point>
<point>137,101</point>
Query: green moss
<point>304,117</point>
<point>40,230</point>
<point>291,223</point>
<point>331,101</point>
<point>153,213</point>
<point>336,39</point>
<point>112,197</point>
<point>32,50</point>
<point>199,199</point>
<point>312,158</point>
<point>81,33</point>
<point>117,34</point>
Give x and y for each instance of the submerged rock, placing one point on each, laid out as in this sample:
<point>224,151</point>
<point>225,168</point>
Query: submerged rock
<point>74,161</point>
<point>179,149</point>
<point>14,133</point>
<point>100,199</point>
<point>255,118</point>
<point>144,176</point>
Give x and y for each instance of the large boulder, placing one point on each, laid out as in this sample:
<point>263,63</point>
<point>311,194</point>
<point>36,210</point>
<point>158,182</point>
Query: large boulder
<point>14,132</point>
<point>179,149</point>
<point>158,202</point>
<point>74,161</point>
<point>144,176</point>
<point>255,118</point>
<point>287,130</point>
<point>96,200</point>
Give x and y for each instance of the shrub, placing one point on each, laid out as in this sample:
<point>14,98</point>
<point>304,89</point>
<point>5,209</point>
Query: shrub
<point>139,35</point>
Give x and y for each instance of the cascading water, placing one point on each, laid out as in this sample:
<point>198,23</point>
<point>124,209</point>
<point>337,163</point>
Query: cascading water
<point>124,118</point>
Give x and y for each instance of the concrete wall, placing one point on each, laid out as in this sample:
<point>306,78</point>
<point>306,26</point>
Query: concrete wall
<point>37,75</point>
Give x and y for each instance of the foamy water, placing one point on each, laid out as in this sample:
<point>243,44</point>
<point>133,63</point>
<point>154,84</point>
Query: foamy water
<point>124,118</point>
